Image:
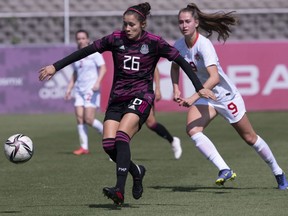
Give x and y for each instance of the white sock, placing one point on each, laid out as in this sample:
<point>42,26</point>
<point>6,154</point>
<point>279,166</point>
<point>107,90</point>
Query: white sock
<point>266,154</point>
<point>83,136</point>
<point>98,125</point>
<point>207,148</point>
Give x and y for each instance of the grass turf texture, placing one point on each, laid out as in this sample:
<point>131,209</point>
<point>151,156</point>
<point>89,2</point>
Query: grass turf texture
<point>55,182</point>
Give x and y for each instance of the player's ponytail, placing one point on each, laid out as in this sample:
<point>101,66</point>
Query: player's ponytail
<point>219,22</point>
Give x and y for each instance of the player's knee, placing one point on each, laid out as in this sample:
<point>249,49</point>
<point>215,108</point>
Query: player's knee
<point>80,120</point>
<point>89,120</point>
<point>250,138</point>
<point>151,124</point>
<point>151,121</point>
<point>192,130</point>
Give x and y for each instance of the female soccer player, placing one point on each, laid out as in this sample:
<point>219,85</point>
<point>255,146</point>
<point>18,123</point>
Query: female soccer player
<point>87,77</point>
<point>200,53</point>
<point>157,127</point>
<point>135,54</point>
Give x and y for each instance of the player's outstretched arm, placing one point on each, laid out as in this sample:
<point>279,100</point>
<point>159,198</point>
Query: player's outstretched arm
<point>48,71</point>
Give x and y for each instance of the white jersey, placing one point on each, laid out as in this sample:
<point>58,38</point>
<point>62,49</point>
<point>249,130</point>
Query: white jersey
<point>202,55</point>
<point>87,72</point>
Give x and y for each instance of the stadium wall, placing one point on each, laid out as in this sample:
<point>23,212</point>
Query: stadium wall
<point>259,69</point>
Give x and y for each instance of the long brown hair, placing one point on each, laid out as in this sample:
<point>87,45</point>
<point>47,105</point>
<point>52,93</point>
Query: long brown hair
<point>141,11</point>
<point>219,22</point>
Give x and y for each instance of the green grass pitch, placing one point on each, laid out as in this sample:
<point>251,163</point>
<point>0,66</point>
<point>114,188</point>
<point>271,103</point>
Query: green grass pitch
<point>55,182</point>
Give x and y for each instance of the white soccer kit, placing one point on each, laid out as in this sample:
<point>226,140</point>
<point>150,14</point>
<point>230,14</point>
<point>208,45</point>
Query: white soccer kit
<point>229,102</point>
<point>87,73</point>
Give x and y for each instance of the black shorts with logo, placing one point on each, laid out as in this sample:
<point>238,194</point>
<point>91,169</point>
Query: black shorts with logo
<point>117,110</point>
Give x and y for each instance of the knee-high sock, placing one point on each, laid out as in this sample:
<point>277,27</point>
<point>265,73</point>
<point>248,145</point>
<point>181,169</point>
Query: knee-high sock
<point>122,141</point>
<point>266,154</point>
<point>207,148</point>
<point>162,131</point>
<point>110,149</point>
<point>83,137</point>
<point>98,125</point>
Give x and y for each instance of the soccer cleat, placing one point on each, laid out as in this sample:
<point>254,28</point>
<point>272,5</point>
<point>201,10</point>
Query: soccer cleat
<point>137,188</point>
<point>81,151</point>
<point>282,181</point>
<point>114,194</point>
<point>225,175</point>
<point>176,147</point>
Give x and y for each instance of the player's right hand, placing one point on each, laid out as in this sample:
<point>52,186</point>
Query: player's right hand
<point>67,95</point>
<point>158,95</point>
<point>177,94</point>
<point>47,72</point>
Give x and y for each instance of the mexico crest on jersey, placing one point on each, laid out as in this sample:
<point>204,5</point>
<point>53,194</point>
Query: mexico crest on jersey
<point>144,49</point>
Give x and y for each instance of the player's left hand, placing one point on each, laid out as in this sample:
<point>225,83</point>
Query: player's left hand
<point>207,93</point>
<point>47,72</point>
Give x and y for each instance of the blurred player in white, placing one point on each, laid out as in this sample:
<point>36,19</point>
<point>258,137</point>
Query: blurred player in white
<point>200,53</point>
<point>86,81</point>
<point>157,127</point>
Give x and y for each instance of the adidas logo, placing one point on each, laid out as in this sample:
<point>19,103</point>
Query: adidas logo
<point>122,47</point>
<point>132,107</point>
<point>55,88</point>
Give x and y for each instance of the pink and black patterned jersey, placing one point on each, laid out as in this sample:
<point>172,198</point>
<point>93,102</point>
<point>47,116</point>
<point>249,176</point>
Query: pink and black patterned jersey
<point>134,63</point>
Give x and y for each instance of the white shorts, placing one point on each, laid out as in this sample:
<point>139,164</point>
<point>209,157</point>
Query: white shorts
<point>232,110</point>
<point>87,99</point>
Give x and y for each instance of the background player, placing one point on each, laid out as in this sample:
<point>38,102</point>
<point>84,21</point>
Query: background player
<point>86,80</point>
<point>158,128</point>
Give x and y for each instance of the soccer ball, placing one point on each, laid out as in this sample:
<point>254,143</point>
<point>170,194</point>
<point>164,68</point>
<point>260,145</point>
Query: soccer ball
<point>18,148</point>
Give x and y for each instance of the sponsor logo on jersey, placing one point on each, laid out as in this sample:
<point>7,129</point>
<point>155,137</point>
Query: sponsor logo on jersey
<point>144,49</point>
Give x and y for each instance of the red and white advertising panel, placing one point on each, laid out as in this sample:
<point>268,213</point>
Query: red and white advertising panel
<point>259,70</point>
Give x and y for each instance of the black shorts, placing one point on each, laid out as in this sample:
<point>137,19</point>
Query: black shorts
<point>117,110</point>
